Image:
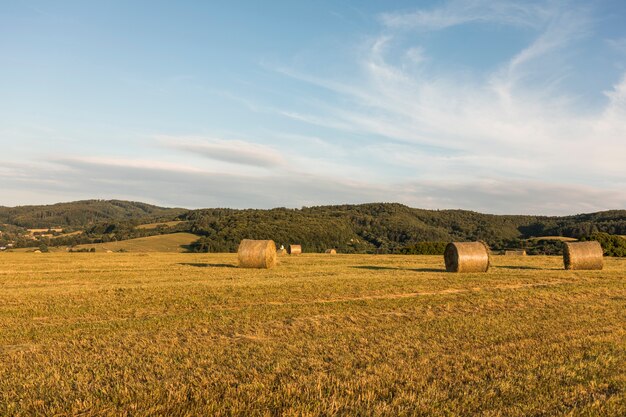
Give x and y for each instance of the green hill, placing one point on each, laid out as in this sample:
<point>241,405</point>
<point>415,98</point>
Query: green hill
<point>80,214</point>
<point>386,227</point>
<point>375,227</point>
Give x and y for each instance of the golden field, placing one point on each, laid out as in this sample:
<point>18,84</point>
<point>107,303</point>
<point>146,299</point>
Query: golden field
<point>190,334</point>
<point>172,242</point>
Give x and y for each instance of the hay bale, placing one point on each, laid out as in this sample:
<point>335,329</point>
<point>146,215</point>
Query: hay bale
<point>515,252</point>
<point>331,251</point>
<point>295,249</point>
<point>257,253</point>
<point>467,257</point>
<point>583,255</point>
<point>281,252</point>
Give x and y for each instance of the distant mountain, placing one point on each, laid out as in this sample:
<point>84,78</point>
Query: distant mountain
<point>82,213</point>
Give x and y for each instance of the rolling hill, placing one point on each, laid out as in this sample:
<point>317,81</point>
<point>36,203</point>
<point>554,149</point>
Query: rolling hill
<point>83,213</point>
<point>374,227</point>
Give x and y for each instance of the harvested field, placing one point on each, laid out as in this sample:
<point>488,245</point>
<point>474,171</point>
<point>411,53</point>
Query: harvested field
<point>161,224</point>
<point>174,242</point>
<point>191,334</point>
<point>559,238</point>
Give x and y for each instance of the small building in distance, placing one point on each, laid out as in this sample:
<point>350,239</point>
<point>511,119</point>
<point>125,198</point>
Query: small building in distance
<point>515,252</point>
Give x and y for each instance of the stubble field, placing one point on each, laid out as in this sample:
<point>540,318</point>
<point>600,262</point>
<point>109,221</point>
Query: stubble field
<point>190,334</point>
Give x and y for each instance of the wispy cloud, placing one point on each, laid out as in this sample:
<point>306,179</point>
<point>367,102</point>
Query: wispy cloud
<point>511,136</point>
<point>617,44</point>
<point>505,124</point>
<point>457,12</point>
<point>233,151</point>
<point>564,28</point>
<point>168,184</point>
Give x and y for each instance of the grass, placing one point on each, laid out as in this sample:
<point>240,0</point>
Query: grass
<point>155,225</point>
<point>44,230</point>
<point>560,238</point>
<point>173,242</point>
<point>190,334</point>
<point>78,232</point>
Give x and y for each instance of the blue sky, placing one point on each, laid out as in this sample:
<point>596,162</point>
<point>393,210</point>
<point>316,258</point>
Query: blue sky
<point>500,107</point>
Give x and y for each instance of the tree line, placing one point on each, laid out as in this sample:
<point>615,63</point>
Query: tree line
<point>365,228</point>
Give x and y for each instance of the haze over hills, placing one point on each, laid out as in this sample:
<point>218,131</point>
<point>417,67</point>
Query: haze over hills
<point>387,227</point>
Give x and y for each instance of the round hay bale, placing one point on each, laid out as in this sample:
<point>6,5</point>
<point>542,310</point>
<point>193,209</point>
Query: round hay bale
<point>583,255</point>
<point>467,257</point>
<point>257,253</point>
<point>295,249</point>
<point>331,251</point>
<point>281,252</point>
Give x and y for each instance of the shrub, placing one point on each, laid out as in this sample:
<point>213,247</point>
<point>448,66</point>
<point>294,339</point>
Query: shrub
<point>612,245</point>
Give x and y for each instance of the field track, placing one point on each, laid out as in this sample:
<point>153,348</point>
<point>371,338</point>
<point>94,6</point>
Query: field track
<point>191,334</point>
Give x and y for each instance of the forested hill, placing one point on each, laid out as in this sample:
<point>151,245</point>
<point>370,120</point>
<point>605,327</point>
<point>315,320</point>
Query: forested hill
<point>385,227</point>
<point>81,213</point>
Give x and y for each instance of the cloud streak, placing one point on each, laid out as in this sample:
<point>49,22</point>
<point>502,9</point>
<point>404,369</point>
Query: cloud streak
<point>458,12</point>
<point>168,184</point>
<point>233,151</point>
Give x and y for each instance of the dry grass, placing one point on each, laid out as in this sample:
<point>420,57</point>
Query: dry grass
<point>187,334</point>
<point>560,238</point>
<point>44,230</point>
<point>174,242</point>
<point>164,224</point>
<point>79,232</point>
